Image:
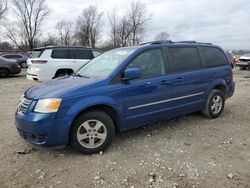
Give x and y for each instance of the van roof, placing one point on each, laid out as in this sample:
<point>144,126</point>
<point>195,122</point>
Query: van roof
<point>175,42</point>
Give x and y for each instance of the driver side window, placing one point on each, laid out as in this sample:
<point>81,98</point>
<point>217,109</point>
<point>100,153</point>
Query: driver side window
<point>150,63</point>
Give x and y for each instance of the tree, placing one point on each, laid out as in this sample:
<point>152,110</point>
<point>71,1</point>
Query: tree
<point>124,31</point>
<point>130,28</point>
<point>3,8</point>
<point>65,31</point>
<point>162,36</point>
<point>49,40</point>
<point>113,21</point>
<point>89,26</point>
<point>30,15</point>
<point>120,30</point>
<point>139,19</point>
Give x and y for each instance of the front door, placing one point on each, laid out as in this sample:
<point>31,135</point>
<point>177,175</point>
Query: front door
<point>145,96</point>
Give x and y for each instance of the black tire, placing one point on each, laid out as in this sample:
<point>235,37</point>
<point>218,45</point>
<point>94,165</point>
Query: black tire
<point>4,73</point>
<point>60,75</point>
<point>24,64</point>
<point>90,117</point>
<point>211,110</point>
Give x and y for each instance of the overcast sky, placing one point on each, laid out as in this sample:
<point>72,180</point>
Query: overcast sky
<point>222,22</point>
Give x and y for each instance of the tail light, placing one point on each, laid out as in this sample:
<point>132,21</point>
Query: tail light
<point>38,61</point>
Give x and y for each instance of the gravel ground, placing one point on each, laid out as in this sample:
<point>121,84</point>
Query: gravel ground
<point>189,151</point>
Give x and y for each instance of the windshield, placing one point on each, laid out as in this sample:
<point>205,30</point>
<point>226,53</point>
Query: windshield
<point>105,64</point>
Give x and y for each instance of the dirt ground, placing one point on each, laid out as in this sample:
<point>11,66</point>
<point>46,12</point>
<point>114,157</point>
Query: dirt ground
<point>189,151</point>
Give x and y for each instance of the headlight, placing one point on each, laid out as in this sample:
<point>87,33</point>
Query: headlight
<point>48,105</point>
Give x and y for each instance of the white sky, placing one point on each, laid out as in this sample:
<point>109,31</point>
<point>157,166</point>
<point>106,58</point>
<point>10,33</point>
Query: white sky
<point>222,22</point>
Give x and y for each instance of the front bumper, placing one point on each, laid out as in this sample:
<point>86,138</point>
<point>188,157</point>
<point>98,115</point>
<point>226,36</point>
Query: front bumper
<point>43,129</point>
<point>242,64</point>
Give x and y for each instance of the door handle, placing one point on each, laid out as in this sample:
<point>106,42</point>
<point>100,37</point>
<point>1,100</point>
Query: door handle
<point>164,82</point>
<point>178,80</point>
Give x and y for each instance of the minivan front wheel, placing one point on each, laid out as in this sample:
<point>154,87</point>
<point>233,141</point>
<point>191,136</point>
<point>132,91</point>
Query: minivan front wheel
<point>92,132</point>
<point>215,104</point>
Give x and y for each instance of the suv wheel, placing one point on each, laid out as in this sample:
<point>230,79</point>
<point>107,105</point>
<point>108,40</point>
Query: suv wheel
<point>92,132</point>
<point>4,73</point>
<point>215,104</point>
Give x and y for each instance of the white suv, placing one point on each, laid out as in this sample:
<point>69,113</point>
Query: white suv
<point>51,62</point>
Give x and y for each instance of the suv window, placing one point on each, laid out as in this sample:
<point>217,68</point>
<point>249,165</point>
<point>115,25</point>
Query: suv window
<point>183,59</point>
<point>36,53</point>
<point>212,56</point>
<point>71,54</point>
<point>151,63</point>
<point>59,53</point>
<point>12,56</point>
<point>82,54</point>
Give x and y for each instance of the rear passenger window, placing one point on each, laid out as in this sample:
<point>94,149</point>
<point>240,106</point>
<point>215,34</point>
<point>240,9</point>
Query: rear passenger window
<point>212,56</point>
<point>82,54</point>
<point>184,59</point>
<point>59,54</point>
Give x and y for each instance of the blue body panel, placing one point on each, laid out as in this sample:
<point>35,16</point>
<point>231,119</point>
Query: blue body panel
<point>136,102</point>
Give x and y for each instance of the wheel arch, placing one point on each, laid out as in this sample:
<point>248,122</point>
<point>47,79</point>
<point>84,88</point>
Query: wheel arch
<point>220,85</point>
<point>63,70</point>
<point>95,103</point>
<point>111,111</point>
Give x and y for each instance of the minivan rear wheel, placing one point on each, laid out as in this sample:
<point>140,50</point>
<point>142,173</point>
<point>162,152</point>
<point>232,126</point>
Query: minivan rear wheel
<point>214,105</point>
<point>92,132</point>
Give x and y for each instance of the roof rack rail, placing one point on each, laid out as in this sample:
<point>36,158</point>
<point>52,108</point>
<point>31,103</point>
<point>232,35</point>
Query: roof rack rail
<point>157,42</point>
<point>191,41</point>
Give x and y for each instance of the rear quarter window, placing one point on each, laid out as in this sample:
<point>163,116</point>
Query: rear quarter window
<point>212,56</point>
<point>184,59</point>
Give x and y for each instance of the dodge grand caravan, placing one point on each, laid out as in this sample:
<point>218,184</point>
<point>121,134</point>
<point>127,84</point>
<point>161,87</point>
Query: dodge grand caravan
<point>126,88</point>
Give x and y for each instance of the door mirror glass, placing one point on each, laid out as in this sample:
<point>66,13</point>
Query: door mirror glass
<point>131,73</point>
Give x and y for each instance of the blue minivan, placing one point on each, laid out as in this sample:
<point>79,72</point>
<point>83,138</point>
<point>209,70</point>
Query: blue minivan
<point>126,88</point>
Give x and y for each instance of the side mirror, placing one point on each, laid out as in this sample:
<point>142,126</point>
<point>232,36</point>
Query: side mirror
<point>131,73</point>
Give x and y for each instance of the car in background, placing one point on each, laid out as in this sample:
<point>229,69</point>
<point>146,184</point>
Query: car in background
<point>51,62</point>
<point>8,67</point>
<point>244,62</point>
<point>20,58</point>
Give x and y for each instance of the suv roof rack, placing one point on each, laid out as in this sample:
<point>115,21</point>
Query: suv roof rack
<point>157,42</point>
<point>171,42</point>
<point>192,41</point>
<point>63,46</point>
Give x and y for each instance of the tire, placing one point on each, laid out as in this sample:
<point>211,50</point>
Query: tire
<point>60,75</point>
<point>24,64</point>
<point>4,73</point>
<point>92,132</point>
<point>214,105</point>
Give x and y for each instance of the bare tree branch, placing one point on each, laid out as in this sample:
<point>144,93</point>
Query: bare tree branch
<point>30,15</point>
<point>3,8</point>
<point>89,25</point>
<point>162,36</point>
<point>139,20</point>
<point>65,32</point>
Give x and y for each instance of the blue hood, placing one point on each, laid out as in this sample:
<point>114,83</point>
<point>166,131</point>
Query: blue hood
<point>58,87</point>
